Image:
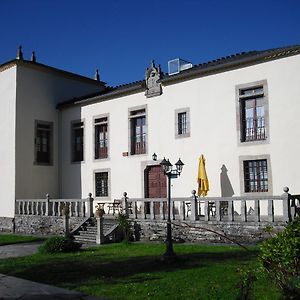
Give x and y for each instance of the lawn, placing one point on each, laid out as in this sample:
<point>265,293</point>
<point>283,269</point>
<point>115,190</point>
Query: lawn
<point>7,239</point>
<point>136,271</point>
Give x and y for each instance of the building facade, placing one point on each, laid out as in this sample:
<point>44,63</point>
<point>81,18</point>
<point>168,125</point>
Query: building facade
<point>67,135</point>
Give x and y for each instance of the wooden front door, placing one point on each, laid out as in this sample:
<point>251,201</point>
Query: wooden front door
<point>155,182</point>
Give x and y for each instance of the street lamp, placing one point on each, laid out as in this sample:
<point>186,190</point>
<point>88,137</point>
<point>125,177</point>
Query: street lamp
<point>171,173</point>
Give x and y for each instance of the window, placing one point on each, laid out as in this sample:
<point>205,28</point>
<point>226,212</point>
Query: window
<point>101,184</point>
<point>182,123</point>
<point>253,112</point>
<point>77,141</point>
<point>138,131</point>
<point>43,142</point>
<point>182,126</point>
<point>256,176</point>
<point>101,138</point>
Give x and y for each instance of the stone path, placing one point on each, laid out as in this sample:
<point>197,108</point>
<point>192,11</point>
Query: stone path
<point>13,288</point>
<point>17,250</point>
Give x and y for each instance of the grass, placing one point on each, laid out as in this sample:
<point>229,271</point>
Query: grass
<point>136,271</point>
<point>7,239</point>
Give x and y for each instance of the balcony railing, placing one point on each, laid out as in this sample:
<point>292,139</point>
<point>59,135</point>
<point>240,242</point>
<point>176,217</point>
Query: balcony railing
<point>254,129</point>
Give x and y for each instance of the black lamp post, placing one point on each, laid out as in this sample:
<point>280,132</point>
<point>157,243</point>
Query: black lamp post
<point>170,173</point>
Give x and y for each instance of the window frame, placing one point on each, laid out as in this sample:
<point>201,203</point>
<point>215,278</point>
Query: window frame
<point>131,117</point>
<point>72,144</point>
<point>102,116</point>
<point>242,159</point>
<point>104,198</point>
<point>51,130</point>
<point>240,104</point>
<point>179,111</point>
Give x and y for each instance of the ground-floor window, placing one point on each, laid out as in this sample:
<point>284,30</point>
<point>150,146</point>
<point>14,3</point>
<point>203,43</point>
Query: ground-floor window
<point>101,184</point>
<point>256,176</point>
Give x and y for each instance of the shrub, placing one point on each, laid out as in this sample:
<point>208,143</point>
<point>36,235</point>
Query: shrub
<point>59,244</point>
<point>280,257</point>
<point>126,227</point>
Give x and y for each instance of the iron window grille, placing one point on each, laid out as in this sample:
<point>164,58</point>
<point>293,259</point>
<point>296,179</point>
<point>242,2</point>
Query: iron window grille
<point>101,184</point>
<point>182,123</point>
<point>256,176</point>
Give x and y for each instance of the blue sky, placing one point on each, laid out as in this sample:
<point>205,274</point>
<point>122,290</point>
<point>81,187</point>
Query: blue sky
<point>122,37</point>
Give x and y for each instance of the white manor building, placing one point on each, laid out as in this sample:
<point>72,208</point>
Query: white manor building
<point>68,135</point>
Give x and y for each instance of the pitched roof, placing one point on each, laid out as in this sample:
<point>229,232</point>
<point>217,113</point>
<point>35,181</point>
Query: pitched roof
<point>235,61</point>
<point>46,68</point>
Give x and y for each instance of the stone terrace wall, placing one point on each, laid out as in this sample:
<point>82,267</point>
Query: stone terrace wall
<point>6,224</point>
<point>196,232</point>
<point>43,225</point>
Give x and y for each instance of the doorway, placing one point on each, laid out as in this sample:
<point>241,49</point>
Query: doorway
<point>155,185</point>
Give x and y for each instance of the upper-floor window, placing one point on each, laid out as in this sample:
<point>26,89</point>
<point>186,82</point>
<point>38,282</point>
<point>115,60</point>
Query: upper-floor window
<point>182,122</point>
<point>77,141</point>
<point>253,114</point>
<point>253,110</point>
<point>43,142</point>
<point>138,131</point>
<point>101,138</point>
<point>256,176</point>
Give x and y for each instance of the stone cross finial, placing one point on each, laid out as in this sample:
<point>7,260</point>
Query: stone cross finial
<point>33,57</point>
<point>20,53</point>
<point>97,76</point>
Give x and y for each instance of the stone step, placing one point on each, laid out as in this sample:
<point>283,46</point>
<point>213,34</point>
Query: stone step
<point>86,235</point>
<point>88,231</point>
<point>83,240</point>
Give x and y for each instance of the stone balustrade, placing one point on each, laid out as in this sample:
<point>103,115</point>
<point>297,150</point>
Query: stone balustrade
<point>54,207</point>
<point>222,209</point>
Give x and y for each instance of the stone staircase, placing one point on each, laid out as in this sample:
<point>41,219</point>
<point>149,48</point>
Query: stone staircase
<point>86,232</point>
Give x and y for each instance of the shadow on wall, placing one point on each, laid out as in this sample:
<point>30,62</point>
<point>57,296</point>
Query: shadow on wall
<point>226,187</point>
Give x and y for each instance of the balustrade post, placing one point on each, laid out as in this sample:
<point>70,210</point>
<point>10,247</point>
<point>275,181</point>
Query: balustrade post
<point>194,206</point>
<point>65,213</point>
<point>100,230</point>
<point>286,205</point>
<point>161,210</point>
<point>182,210</point>
<point>218,215</point>
<point>47,212</point>
<point>206,210</point>
<point>230,211</point>
<point>270,210</point>
<point>243,211</point>
<point>152,212</point>
<point>90,210</point>
<point>125,204</point>
<point>257,210</point>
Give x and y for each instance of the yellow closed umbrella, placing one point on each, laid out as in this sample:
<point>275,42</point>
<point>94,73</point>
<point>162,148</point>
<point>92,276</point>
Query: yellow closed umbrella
<point>203,184</point>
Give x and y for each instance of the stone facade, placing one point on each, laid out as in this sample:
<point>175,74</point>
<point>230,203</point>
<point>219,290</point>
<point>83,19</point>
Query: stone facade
<point>195,232</point>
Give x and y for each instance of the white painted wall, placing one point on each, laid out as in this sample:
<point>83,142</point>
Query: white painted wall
<point>7,144</point>
<point>212,106</point>
<point>38,92</point>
